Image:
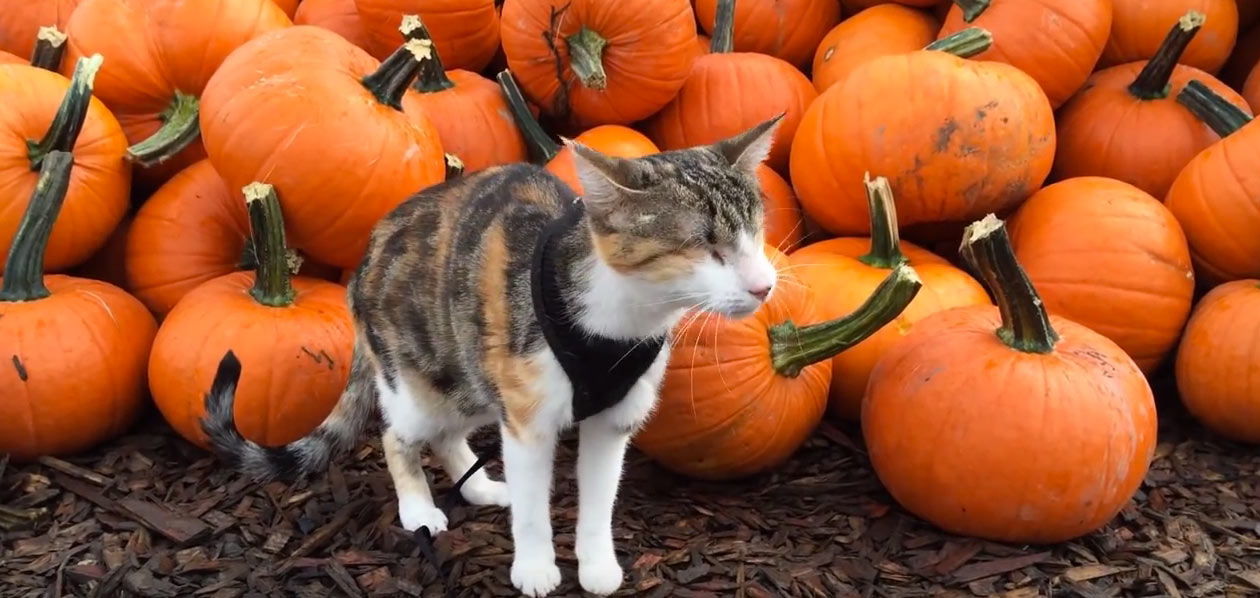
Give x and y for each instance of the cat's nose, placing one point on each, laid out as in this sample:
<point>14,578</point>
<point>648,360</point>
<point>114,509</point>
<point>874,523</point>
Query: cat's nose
<point>761,293</point>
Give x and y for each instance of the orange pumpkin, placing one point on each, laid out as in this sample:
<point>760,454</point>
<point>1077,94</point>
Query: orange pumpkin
<point>1214,196</point>
<point>844,271</point>
<point>784,227</point>
<point>597,62</point>
<point>854,6</point>
<point>20,22</point>
<point>740,396</point>
<point>288,6</point>
<point>1126,123</point>
<point>43,106</point>
<point>1217,361</point>
<point>1251,89</point>
<point>254,130</point>
<point>1128,278</point>
<point>990,422</point>
<point>466,32</point>
<point>7,58</point>
<point>74,348</point>
<point>339,16</point>
<point>1056,41</point>
<point>786,29</point>
<point>1137,26</point>
<point>876,31</point>
<point>294,335</point>
<point>963,138</point>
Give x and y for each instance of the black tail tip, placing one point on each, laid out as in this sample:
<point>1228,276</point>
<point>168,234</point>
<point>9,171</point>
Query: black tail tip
<point>228,374</point>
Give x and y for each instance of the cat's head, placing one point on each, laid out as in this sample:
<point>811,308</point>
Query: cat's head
<point>686,223</point>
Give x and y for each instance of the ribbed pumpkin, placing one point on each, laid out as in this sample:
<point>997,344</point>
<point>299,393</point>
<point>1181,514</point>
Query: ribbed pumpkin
<point>1138,26</point>
<point>339,16</point>
<point>843,272</point>
<point>21,19</point>
<point>466,32</point>
<point>963,137</point>
<point>786,29</point>
<point>1129,277</point>
<point>1217,361</point>
<point>288,6</point>
<point>1007,423</point>
<point>1056,41</point>
<point>853,6</point>
<point>1126,123</point>
<point>876,31</point>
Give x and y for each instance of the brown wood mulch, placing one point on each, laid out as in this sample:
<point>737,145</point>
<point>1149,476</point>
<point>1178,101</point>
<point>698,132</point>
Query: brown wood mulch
<point>148,516</point>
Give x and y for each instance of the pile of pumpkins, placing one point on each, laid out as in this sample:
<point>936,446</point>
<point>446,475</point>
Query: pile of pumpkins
<point>1080,202</point>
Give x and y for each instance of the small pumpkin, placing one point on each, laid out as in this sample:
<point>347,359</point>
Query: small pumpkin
<point>466,32</point>
<point>339,16</point>
<point>740,396</point>
<point>989,421</point>
<point>786,29</point>
<point>288,6</point>
<point>854,6</point>
<point>1218,352</point>
<point>597,62</point>
<point>876,31</point>
<point>785,228</point>
<point>843,272</point>
<point>21,22</point>
<point>1251,89</point>
<point>294,334</point>
<point>1126,124</point>
<point>1137,26</point>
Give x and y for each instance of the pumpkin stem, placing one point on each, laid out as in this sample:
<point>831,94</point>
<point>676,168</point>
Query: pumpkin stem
<point>272,284</point>
<point>885,250</point>
<point>180,127</point>
<point>50,47</point>
<point>454,166</point>
<point>542,148</point>
<point>432,77</point>
<point>723,39</point>
<point>794,348</point>
<point>1025,322</point>
<point>390,81</point>
<point>1152,82</point>
<point>24,269</point>
<point>1218,113</point>
<point>63,133</point>
<point>972,9</point>
<point>586,57</point>
<point>965,43</point>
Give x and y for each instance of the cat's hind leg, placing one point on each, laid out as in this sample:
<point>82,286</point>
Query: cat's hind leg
<point>415,416</point>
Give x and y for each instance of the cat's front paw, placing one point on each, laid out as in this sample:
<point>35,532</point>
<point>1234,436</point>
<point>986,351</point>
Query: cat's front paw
<point>487,492</point>
<point>601,575</point>
<point>417,513</point>
<point>535,576</point>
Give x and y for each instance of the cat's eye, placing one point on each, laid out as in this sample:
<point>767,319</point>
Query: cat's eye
<point>717,256</point>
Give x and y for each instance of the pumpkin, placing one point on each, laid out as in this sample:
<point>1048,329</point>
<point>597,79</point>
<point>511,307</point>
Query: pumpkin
<point>294,336</point>
<point>1126,124</point>
<point>713,103</point>
<point>854,6</point>
<point>7,58</point>
<point>1217,354</point>
<point>784,226</point>
<point>876,31</point>
<point>339,16</point>
<point>597,62</point>
<point>1127,277</point>
<point>992,422</point>
<point>1059,51</point>
<point>740,396</point>
<point>1138,25</point>
<point>386,147</point>
<point>963,138</point>
<point>288,6</point>
<point>74,348</point>
<point>466,32</point>
<point>1214,197</point>
<point>54,113</point>
<point>1251,89</point>
<point>843,272</point>
<point>21,22</point>
<point>786,29</point>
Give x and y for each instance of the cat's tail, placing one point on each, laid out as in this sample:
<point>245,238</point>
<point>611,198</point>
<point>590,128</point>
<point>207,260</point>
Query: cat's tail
<point>304,456</point>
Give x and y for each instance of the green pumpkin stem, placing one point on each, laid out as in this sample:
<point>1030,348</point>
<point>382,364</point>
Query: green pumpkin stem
<point>586,58</point>
<point>273,285</point>
<point>723,39</point>
<point>885,250</point>
<point>390,81</point>
<point>180,127</point>
<point>794,348</point>
<point>1217,112</point>
<point>1153,82</point>
<point>50,49</point>
<point>972,9</point>
<point>24,268</point>
<point>432,77</point>
<point>454,166</point>
<point>542,148</point>
<point>63,133</point>
<point>1025,321</point>
<point>965,43</point>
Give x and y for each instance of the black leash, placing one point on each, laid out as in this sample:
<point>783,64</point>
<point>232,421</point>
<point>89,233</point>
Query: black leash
<point>448,500</point>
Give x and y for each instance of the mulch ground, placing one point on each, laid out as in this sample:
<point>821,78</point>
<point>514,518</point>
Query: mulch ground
<point>147,515</point>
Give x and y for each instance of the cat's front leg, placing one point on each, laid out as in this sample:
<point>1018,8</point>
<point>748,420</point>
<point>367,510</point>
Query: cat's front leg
<point>528,462</point>
<point>601,453</point>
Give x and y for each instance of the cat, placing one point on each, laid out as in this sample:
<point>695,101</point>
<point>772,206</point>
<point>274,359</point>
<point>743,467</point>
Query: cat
<point>501,297</point>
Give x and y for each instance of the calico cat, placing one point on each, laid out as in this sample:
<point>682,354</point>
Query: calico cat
<point>502,298</point>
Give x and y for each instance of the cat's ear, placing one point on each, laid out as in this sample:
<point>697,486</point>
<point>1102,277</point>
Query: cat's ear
<point>747,150</point>
<point>605,179</point>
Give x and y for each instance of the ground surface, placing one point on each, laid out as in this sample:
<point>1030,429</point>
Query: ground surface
<point>149,516</point>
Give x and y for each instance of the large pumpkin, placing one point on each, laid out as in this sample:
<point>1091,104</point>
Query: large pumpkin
<point>599,62</point>
<point>1137,27</point>
<point>339,16</point>
<point>21,20</point>
<point>1126,123</point>
<point>740,396</point>
<point>1056,41</point>
<point>466,32</point>
<point>843,272</point>
<point>1007,423</point>
<point>294,335</point>
<point>786,29</point>
<point>363,146</point>
<point>876,31</point>
<point>964,137</point>
<point>1251,89</point>
<point>1216,358</point>
<point>785,227</point>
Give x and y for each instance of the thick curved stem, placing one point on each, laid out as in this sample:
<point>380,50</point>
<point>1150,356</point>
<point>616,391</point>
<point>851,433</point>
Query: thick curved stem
<point>1025,322</point>
<point>454,166</point>
<point>68,121</point>
<point>1152,82</point>
<point>273,286</point>
<point>390,81</point>
<point>972,9</point>
<point>432,77</point>
<point>180,127</point>
<point>24,267</point>
<point>50,48</point>
<point>794,348</point>
<point>542,148</point>
<point>723,39</point>
<point>885,250</point>
<point>965,43</point>
<point>586,57</point>
<point>1216,112</point>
